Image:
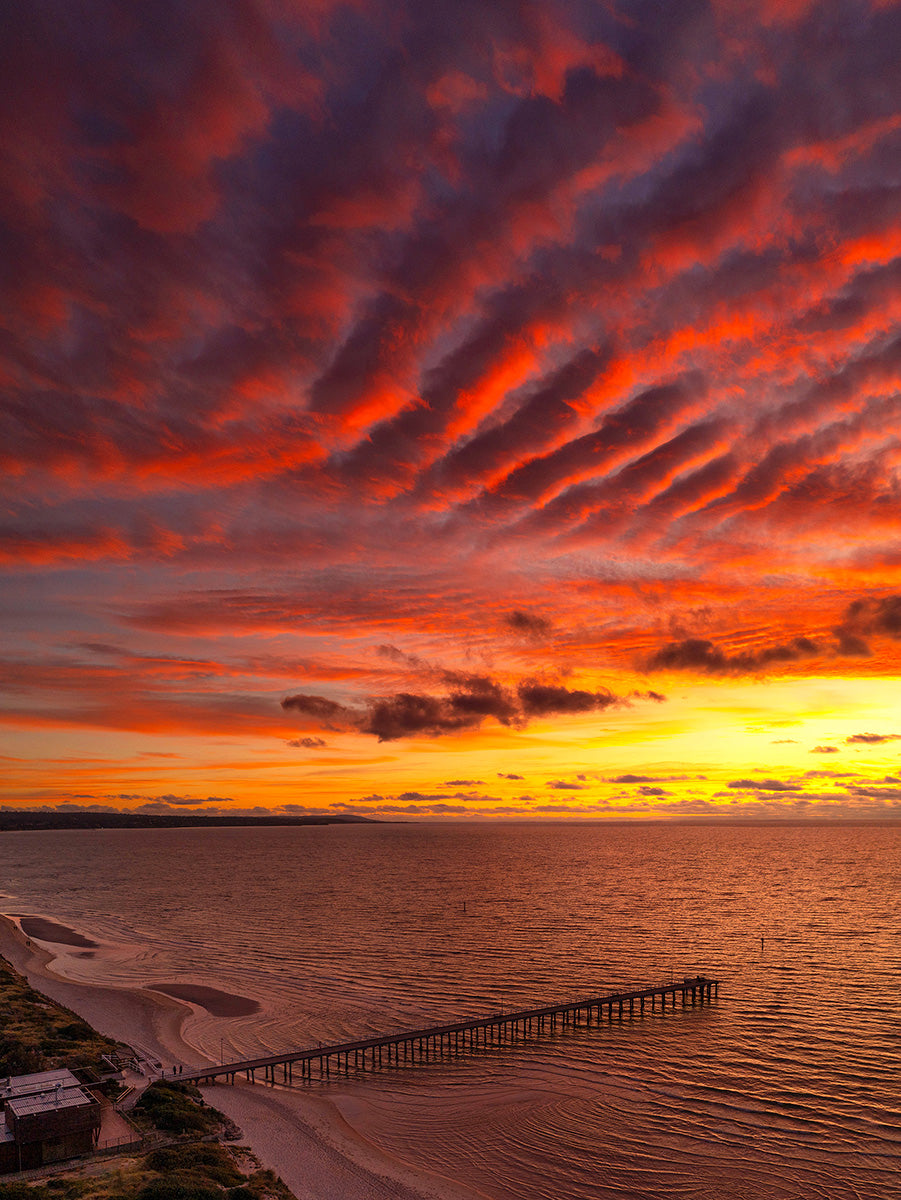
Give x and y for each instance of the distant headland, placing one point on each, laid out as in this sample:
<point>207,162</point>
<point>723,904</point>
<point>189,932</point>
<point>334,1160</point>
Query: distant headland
<point>43,818</point>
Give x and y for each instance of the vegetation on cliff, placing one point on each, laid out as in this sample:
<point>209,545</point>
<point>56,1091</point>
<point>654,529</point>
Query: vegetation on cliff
<point>37,1034</point>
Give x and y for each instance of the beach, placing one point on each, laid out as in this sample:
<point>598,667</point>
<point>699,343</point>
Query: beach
<point>303,1138</point>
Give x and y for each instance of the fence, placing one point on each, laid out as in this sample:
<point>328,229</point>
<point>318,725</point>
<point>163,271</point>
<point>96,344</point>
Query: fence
<point>120,1145</point>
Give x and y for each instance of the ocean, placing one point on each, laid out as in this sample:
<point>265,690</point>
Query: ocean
<point>786,1086</point>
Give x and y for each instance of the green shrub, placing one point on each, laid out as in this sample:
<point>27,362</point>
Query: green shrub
<point>18,1191</point>
<point>53,1189</point>
<point>209,1160</point>
<point>178,1108</point>
<point>76,1031</point>
<point>179,1187</point>
<point>19,1058</point>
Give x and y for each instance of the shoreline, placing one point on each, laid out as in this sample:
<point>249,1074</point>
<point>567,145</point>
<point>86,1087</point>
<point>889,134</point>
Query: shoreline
<point>147,1021</point>
<point>305,1139</point>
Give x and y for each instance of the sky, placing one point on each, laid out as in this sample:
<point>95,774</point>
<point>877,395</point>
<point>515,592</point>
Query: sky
<point>452,409</point>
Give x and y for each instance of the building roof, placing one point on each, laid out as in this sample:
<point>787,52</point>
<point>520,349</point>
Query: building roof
<point>24,1096</point>
<point>49,1101</point>
<point>42,1081</point>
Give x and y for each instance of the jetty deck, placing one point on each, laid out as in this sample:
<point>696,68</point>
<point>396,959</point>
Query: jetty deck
<point>456,1037</point>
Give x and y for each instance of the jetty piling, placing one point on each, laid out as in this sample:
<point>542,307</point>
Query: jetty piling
<point>456,1037</point>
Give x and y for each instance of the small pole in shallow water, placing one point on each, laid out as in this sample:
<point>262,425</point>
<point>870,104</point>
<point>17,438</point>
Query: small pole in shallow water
<point>464,906</point>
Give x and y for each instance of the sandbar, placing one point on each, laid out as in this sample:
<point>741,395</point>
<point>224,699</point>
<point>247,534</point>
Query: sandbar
<point>50,931</point>
<point>219,1003</point>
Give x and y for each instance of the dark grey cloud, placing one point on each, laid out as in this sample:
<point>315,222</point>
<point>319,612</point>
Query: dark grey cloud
<point>539,699</point>
<point>175,801</point>
<point>762,785</point>
<point>700,654</point>
<point>885,795</point>
<point>869,617</point>
<point>825,750</point>
<point>527,623</point>
<point>308,743</point>
<point>328,712</point>
<point>871,739</point>
<point>470,701</point>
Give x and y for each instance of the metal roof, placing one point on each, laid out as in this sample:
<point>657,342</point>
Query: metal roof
<point>49,1101</point>
<point>42,1081</point>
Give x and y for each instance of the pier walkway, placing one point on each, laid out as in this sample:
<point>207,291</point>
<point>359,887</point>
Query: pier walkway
<point>458,1037</point>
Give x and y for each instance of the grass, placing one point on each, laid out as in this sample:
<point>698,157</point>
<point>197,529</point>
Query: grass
<point>37,1034</point>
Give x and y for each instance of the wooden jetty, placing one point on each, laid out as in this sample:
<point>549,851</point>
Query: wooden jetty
<point>458,1037</point>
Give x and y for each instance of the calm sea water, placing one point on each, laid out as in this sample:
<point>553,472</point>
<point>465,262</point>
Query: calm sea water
<point>788,1086</point>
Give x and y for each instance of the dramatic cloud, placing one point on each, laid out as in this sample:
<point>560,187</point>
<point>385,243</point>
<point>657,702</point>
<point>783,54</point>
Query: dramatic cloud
<point>474,698</point>
<point>700,655</point>
<point>451,370</point>
<point>867,618</point>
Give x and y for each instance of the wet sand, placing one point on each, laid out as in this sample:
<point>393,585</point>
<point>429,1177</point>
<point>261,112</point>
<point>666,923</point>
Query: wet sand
<point>50,931</point>
<point>302,1137</point>
<point>219,1003</point>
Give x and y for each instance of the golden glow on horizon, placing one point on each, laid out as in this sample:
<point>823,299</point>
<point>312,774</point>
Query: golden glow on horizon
<point>619,764</point>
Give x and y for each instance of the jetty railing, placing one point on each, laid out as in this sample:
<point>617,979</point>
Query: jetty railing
<point>456,1037</point>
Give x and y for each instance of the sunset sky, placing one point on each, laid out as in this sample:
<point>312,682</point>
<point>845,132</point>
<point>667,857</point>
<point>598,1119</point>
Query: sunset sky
<point>452,408</point>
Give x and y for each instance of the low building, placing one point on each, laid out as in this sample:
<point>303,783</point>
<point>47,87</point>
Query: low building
<point>45,1118</point>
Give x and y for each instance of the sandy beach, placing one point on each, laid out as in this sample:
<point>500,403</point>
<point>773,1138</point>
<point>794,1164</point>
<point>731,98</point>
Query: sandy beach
<point>300,1136</point>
